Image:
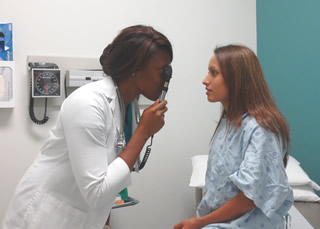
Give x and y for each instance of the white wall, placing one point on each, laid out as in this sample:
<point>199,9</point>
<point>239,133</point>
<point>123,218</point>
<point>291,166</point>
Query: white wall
<point>83,28</point>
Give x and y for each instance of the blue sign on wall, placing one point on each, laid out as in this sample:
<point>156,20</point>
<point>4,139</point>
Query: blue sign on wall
<point>6,53</point>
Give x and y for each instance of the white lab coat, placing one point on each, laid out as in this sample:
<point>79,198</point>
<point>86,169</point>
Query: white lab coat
<point>73,181</point>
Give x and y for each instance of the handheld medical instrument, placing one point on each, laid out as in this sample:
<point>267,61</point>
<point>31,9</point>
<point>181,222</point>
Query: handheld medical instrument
<point>166,74</point>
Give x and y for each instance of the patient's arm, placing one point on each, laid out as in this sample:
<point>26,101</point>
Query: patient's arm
<point>233,209</point>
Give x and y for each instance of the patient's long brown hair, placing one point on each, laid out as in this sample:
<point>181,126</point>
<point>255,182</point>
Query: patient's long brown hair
<point>249,92</point>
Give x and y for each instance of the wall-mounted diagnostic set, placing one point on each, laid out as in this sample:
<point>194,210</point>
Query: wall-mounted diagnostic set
<point>45,82</point>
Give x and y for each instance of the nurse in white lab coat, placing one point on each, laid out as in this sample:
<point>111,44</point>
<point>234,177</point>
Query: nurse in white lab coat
<point>80,169</point>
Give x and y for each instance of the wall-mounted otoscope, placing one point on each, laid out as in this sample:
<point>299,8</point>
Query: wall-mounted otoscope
<point>166,74</point>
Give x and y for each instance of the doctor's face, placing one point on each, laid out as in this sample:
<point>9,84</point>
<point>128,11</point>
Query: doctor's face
<point>150,81</point>
<point>217,90</point>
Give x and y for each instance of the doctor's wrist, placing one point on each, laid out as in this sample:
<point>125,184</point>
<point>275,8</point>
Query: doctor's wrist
<point>143,133</point>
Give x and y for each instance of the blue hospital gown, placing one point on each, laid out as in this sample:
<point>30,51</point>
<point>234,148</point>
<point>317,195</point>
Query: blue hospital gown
<point>250,160</point>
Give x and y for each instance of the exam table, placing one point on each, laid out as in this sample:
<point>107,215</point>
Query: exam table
<point>305,213</point>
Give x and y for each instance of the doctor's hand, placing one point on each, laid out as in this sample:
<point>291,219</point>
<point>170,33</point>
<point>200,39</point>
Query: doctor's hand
<point>152,119</point>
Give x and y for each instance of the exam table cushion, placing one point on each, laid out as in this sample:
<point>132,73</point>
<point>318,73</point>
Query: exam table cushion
<point>310,211</point>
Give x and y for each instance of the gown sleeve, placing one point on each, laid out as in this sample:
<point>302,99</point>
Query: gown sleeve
<point>262,176</point>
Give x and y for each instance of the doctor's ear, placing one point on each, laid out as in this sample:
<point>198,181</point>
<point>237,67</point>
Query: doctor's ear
<point>135,74</point>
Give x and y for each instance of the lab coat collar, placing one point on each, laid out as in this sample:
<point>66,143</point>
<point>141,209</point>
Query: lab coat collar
<point>111,95</point>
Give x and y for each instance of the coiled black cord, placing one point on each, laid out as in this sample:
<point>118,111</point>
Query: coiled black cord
<point>65,86</point>
<point>146,155</point>
<point>31,110</point>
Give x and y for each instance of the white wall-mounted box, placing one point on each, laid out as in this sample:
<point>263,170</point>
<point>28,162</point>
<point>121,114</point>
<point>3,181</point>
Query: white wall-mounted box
<point>7,84</point>
<point>78,78</point>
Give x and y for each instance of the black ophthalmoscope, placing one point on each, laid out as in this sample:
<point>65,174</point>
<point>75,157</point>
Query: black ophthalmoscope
<point>166,74</point>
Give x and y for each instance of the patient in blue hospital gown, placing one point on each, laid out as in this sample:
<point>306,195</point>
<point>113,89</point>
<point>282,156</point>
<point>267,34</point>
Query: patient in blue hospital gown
<point>248,160</point>
<point>246,184</point>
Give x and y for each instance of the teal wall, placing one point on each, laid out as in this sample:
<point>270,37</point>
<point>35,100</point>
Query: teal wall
<point>288,33</point>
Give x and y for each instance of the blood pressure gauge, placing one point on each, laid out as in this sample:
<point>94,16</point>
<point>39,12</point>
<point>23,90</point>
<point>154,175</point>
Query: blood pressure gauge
<point>46,82</point>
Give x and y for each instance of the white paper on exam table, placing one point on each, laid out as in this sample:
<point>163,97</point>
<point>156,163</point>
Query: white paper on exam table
<point>298,221</point>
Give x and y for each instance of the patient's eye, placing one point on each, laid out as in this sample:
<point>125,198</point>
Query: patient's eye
<point>213,72</point>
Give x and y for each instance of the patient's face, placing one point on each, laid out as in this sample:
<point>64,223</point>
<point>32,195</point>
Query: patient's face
<point>216,89</point>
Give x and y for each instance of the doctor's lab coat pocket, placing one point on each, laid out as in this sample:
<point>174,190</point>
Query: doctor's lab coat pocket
<point>53,214</point>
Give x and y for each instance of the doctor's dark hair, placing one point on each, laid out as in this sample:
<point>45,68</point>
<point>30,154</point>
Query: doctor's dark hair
<point>249,92</point>
<point>131,50</point>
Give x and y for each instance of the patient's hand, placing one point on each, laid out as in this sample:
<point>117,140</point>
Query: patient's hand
<point>188,224</point>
